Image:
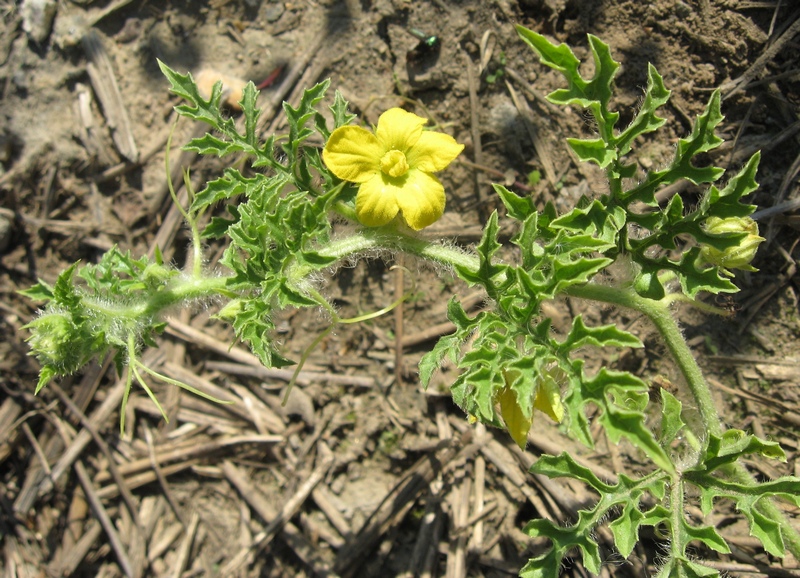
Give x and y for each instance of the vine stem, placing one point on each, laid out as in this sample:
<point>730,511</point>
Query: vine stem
<point>658,312</point>
<point>389,238</point>
<point>662,318</point>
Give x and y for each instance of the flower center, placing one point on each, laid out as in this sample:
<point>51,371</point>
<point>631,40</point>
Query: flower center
<point>394,163</point>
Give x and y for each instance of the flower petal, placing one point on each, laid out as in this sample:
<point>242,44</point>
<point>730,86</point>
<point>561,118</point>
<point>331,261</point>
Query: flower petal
<point>548,398</point>
<point>516,423</point>
<point>399,129</point>
<point>353,154</point>
<point>433,151</point>
<point>421,199</point>
<point>376,201</point>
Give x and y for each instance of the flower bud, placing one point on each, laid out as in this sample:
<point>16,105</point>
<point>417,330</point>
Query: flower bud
<point>54,342</point>
<point>739,256</point>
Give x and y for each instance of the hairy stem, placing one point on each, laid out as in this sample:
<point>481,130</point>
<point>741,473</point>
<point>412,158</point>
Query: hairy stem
<point>180,290</point>
<point>661,317</point>
<point>389,238</point>
<point>658,312</point>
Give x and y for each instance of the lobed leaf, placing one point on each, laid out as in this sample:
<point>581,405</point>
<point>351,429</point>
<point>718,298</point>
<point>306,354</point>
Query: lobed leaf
<point>656,95</point>
<point>603,336</point>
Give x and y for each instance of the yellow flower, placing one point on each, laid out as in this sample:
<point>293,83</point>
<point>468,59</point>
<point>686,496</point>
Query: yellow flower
<point>547,399</point>
<point>393,167</point>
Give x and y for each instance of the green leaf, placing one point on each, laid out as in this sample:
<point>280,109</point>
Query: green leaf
<point>544,566</point>
<point>727,202</point>
<point>564,465</point>
<point>560,58</point>
<point>708,536</point>
<point>767,530</point>
<point>593,94</point>
<point>593,150</point>
<point>199,109</point>
<point>447,346</point>
<point>211,145</point>
<point>564,539</point>
<point>702,139</point>
<point>251,113</point>
<point>305,111</point>
<point>656,96</point>
<point>606,389</point>
<point>671,421</point>
<point>64,292</point>
<point>47,373</point>
<point>41,291</point>
<point>519,208</point>
<point>577,272</point>
<point>341,115</point>
<point>627,492</point>
<point>625,528</point>
<point>595,219</point>
<point>603,336</point>
<point>231,184</point>
<point>486,249</point>
<point>732,445</point>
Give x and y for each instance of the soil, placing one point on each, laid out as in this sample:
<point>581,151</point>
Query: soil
<point>268,491</point>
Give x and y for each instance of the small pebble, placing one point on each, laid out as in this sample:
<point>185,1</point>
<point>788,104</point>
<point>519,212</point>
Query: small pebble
<point>232,87</point>
<point>37,18</point>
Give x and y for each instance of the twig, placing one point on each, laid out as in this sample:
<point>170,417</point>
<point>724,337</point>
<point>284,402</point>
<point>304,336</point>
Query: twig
<point>427,529</point>
<point>279,520</point>
<point>399,291</point>
<point>104,82</point>
<point>303,378</point>
<point>71,558</point>
<point>189,451</point>
<point>162,480</point>
<point>104,519</point>
<point>539,146</point>
<point>201,339</point>
<point>127,496</point>
<point>292,505</point>
<point>476,542</point>
<point>71,453</point>
<point>186,546</point>
<point>37,448</point>
<point>732,87</point>
<point>254,410</point>
<point>321,495</point>
<point>756,568</point>
<point>459,507</point>
<point>165,540</point>
<point>475,127</point>
<point>144,478</point>
<point>398,502</point>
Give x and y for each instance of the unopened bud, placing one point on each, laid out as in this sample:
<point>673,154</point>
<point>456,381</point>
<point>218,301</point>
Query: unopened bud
<point>739,256</point>
<point>54,342</point>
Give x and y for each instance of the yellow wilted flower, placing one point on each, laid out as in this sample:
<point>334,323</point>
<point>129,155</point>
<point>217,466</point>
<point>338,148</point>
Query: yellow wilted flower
<point>547,399</point>
<point>393,167</point>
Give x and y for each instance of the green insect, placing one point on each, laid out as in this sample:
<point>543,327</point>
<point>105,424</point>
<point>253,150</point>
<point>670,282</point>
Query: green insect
<point>429,45</point>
